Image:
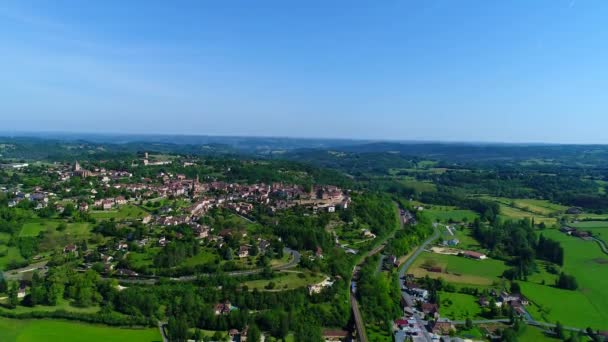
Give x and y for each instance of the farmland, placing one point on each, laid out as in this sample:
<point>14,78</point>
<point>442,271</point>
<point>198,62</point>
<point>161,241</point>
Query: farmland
<point>57,330</point>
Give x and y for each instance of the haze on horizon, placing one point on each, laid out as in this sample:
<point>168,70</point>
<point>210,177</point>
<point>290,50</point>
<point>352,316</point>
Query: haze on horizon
<point>517,71</point>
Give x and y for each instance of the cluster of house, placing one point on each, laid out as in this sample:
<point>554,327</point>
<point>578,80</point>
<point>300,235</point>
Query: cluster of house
<point>409,326</point>
<point>317,288</point>
<point>515,300</point>
<point>407,217</point>
<point>473,255</point>
<point>575,232</point>
<point>413,328</point>
<point>39,196</point>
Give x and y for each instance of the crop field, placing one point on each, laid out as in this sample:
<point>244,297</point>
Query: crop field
<point>517,209</point>
<point>35,227</point>
<point>587,306</point>
<point>66,331</point>
<point>124,212</point>
<point>508,212</point>
<point>286,280</point>
<point>460,270</point>
<point>459,306</point>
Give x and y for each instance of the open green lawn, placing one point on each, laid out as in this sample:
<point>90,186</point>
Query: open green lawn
<point>35,227</point>
<point>143,259</point>
<point>587,306</point>
<point>62,305</point>
<point>459,306</point>
<point>291,279</point>
<point>534,334</point>
<point>12,330</point>
<point>463,234</point>
<point>590,224</point>
<point>460,270</point>
<point>204,257</point>
<point>122,213</point>
<point>598,228</point>
<point>8,254</point>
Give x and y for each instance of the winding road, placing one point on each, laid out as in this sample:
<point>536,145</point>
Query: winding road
<point>151,280</point>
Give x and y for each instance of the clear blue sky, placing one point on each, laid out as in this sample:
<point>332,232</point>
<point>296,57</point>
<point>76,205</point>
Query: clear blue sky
<point>532,71</point>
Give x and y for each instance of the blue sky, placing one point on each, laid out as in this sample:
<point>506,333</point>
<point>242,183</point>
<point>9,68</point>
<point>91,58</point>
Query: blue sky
<point>510,71</point>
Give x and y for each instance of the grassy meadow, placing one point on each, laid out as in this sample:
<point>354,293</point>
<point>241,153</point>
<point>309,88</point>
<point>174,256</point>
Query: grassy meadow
<point>460,270</point>
<point>122,213</point>
<point>34,227</point>
<point>286,280</point>
<point>12,330</point>
<point>587,306</point>
<point>459,306</point>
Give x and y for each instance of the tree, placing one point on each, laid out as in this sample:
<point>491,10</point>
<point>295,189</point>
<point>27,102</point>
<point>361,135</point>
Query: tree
<point>254,334</point>
<point>3,283</point>
<point>468,323</point>
<point>38,290</point>
<point>559,330</point>
<point>178,329</point>
<point>515,287</point>
<point>198,335</point>
<point>13,298</point>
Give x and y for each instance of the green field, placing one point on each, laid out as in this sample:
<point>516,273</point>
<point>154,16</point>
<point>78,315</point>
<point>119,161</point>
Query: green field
<point>8,254</point>
<point>598,228</point>
<point>460,270</point>
<point>517,209</point>
<point>63,304</point>
<point>588,306</point>
<point>534,334</point>
<point>66,331</point>
<point>444,215</point>
<point>204,257</point>
<point>590,224</point>
<point>35,227</point>
<point>288,278</point>
<point>459,306</point>
<point>123,213</point>
<point>419,186</point>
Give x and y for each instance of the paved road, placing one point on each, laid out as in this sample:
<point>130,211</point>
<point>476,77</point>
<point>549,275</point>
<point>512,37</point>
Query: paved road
<point>602,245</point>
<point>361,334</point>
<point>483,321</point>
<point>151,280</point>
<point>161,327</point>
<point>404,267</point>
